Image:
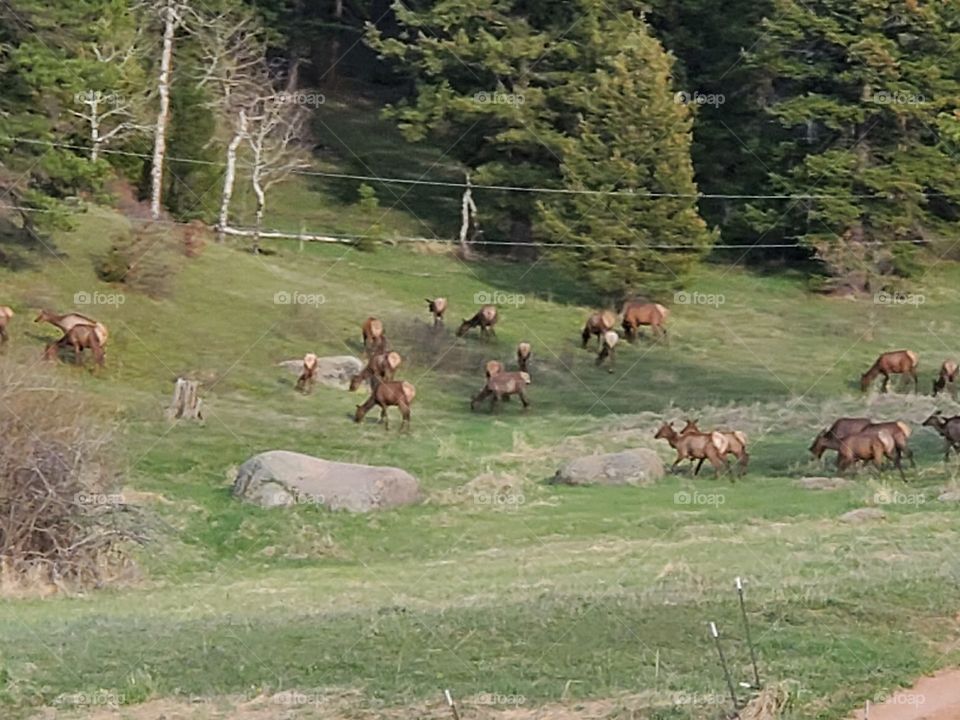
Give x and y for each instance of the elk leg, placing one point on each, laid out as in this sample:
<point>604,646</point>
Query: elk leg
<point>585,336</point>
<point>886,381</point>
<point>744,460</point>
<point>699,465</point>
<point>479,397</point>
<point>495,403</point>
<point>524,400</point>
<point>916,382</point>
<point>383,417</point>
<point>405,414</point>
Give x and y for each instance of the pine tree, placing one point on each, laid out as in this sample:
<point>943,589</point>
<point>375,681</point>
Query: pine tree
<point>633,137</point>
<point>860,87</point>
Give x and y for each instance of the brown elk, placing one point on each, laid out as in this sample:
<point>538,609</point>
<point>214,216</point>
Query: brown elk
<point>847,427</point>
<point>736,444</point>
<point>523,356</point>
<point>696,446</point>
<point>387,393</point>
<point>485,319</point>
<point>492,367</point>
<point>5,314</point>
<point>79,338</point>
<point>637,314</point>
<point>374,341</point>
<point>861,447</point>
<point>947,376</point>
<point>608,343</point>
<point>437,307</point>
<point>382,366</point>
<point>597,324</point>
<point>500,387</point>
<point>69,320</point>
<point>308,376</point>
<point>896,362</point>
<point>949,429</point>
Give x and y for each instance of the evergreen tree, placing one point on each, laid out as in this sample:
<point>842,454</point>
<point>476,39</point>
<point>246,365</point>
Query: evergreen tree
<point>861,87</point>
<point>633,137</point>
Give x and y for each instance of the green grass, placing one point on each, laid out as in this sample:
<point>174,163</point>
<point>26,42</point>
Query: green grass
<point>561,592</point>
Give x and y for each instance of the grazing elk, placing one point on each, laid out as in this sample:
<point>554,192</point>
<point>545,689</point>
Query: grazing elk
<point>500,387</point>
<point>386,393</point>
<point>861,447</point>
<point>846,427</point>
<point>696,446</point>
<point>78,338</point>
<point>608,343</point>
<point>736,444</point>
<point>69,320</point>
<point>5,314</point>
<point>947,376</point>
<point>374,341</point>
<point>382,366</point>
<point>308,376</point>
<point>597,324</point>
<point>949,429</point>
<point>523,356</point>
<point>485,319</point>
<point>896,362</point>
<point>437,307</point>
<point>637,314</point>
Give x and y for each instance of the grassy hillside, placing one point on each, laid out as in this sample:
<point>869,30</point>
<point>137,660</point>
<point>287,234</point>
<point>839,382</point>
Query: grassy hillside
<point>498,584</point>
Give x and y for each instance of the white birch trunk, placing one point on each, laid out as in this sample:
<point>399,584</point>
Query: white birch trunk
<point>163,88</point>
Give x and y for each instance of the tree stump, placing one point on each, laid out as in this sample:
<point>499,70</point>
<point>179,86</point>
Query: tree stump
<point>186,403</point>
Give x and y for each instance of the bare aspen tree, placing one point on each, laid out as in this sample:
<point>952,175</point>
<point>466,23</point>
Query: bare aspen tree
<point>275,139</point>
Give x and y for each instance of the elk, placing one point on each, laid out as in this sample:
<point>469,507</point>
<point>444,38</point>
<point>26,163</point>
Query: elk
<point>947,376</point>
<point>70,320</point>
<point>609,342</point>
<point>847,427</point>
<point>374,341</point>
<point>949,429</point>
<point>636,314</point>
<point>523,356</point>
<point>386,393</point>
<point>597,324</point>
<point>437,307</point>
<point>382,366</point>
<point>736,444</point>
<point>79,338</point>
<point>308,376</point>
<point>861,447</point>
<point>5,314</point>
<point>696,446</point>
<point>500,387</point>
<point>485,319</point>
<point>492,367</point>
<point>896,362</point>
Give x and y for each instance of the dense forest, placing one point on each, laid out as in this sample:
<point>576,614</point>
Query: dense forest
<point>820,134</point>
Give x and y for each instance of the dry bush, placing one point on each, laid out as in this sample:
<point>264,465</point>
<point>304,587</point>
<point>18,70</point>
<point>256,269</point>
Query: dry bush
<point>57,515</point>
<point>144,260</point>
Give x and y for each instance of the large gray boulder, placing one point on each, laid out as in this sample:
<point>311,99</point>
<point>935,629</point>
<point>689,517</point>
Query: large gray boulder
<point>334,371</point>
<point>630,467</point>
<point>283,478</point>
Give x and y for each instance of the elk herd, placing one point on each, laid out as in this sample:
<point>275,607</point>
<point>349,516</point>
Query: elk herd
<point>856,440</point>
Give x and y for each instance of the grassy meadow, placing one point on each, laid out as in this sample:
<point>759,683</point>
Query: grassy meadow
<point>513,593</point>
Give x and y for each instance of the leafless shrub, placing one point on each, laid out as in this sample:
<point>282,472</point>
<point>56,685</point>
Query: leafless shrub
<point>57,515</point>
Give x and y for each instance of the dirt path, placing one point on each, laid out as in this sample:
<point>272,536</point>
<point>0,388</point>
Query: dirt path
<point>932,698</point>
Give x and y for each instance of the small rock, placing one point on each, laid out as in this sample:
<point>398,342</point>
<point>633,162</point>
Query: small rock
<point>949,496</point>
<point>863,515</point>
<point>822,483</point>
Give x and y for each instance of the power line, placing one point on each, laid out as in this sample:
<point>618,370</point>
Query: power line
<point>463,186</point>
<point>275,234</point>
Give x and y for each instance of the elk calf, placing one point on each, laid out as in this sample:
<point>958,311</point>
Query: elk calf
<point>607,345</point>
<point>696,446</point>
<point>637,314</point>
<point>374,341</point>
<point>597,324</point>
<point>949,429</point>
<point>736,445</point>
<point>79,338</point>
